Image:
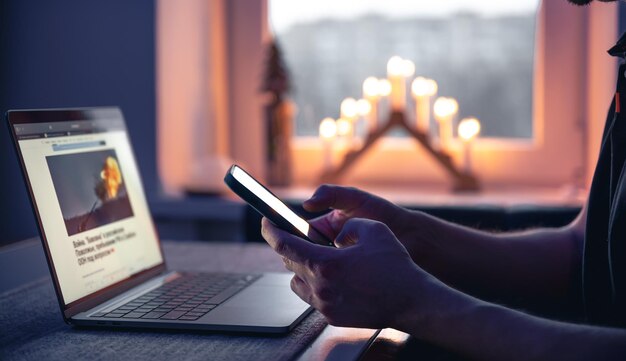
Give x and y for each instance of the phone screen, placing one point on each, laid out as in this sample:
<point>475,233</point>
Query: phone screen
<point>281,208</point>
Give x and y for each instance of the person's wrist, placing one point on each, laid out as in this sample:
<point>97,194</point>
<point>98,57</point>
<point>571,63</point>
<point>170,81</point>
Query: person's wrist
<point>415,234</point>
<point>400,221</point>
<point>413,314</point>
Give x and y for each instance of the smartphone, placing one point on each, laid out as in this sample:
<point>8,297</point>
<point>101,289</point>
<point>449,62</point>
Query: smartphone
<point>271,207</point>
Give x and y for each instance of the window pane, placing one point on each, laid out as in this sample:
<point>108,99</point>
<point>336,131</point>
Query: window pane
<point>479,52</point>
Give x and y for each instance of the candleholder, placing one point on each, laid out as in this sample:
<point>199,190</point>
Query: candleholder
<point>463,181</point>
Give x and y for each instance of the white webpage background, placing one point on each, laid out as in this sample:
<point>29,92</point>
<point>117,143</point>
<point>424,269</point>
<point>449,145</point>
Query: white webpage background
<point>130,256</point>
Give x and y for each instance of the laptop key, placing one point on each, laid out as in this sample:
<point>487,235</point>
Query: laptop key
<point>98,314</point>
<point>188,318</point>
<point>195,314</point>
<point>164,309</point>
<point>134,315</point>
<point>224,295</point>
<point>114,315</point>
<point>153,315</point>
<point>172,315</point>
<point>144,310</point>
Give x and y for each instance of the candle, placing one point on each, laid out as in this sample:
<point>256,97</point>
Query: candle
<point>344,127</point>
<point>423,89</point>
<point>397,71</point>
<point>445,110</point>
<point>469,128</point>
<point>364,109</point>
<point>349,108</point>
<point>370,93</point>
<point>408,68</point>
<point>384,87</point>
<point>349,112</point>
<point>328,132</point>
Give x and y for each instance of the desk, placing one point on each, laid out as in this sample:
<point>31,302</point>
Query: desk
<point>31,327</point>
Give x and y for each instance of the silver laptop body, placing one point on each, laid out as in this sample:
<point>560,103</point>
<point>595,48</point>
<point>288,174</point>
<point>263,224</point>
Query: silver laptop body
<point>100,242</point>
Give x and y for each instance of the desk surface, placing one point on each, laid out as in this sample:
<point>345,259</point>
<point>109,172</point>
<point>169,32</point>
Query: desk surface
<point>32,327</point>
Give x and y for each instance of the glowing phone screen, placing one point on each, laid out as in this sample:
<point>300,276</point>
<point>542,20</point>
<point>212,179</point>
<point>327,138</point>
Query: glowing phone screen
<point>267,197</point>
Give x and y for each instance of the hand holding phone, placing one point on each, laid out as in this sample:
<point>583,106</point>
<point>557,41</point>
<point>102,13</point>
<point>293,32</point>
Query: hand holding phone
<point>270,206</point>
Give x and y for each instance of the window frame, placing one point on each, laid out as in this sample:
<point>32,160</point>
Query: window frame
<point>576,110</point>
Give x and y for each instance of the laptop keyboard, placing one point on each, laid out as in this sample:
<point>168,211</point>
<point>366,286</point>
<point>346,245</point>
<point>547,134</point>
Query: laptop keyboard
<point>186,298</point>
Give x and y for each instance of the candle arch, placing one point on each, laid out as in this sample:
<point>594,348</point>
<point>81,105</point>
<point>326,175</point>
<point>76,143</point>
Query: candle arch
<point>373,89</point>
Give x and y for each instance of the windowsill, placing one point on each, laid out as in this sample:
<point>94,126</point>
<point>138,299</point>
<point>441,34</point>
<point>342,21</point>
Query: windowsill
<point>227,218</point>
<point>440,196</point>
<point>230,208</point>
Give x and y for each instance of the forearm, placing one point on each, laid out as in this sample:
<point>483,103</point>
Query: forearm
<point>540,263</point>
<point>490,332</point>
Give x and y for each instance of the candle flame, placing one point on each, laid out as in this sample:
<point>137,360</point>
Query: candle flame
<point>328,128</point>
<point>395,66</point>
<point>344,127</point>
<point>423,87</point>
<point>408,68</point>
<point>349,108</point>
<point>469,128</point>
<point>384,87</point>
<point>364,107</point>
<point>445,107</point>
<point>370,87</point>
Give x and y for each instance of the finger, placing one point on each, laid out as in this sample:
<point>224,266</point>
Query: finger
<point>324,226</point>
<point>331,223</point>
<point>337,197</point>
<point>300,288</point>
<point>359,230</point>
<point>348,236</point>
<point>297,268</point>
<point>290,246</point>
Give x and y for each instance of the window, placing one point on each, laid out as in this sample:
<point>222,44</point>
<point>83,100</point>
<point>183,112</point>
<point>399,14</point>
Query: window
<point>479,52</point>
<point>572,81</point>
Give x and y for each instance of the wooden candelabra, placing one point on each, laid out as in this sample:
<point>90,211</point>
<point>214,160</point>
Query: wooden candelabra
<point>462,181</point>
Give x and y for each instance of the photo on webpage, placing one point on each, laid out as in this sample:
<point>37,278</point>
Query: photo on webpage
<point>90,189</point>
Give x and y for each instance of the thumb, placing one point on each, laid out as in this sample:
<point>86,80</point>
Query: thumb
<point>359,230</point>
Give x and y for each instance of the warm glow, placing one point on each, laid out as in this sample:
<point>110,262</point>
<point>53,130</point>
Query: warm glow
<point>423,87</point>
<point>363,107</point>
<point>328,128</point>
<point>469,128</point>
<point>349,108</point>
<point>111,177</point>
<point>344,127</point>
<point>395,66</point>
<point>384,87</point>
<point>370,87</point>
<point>408,68</point>
<point>445,107</point>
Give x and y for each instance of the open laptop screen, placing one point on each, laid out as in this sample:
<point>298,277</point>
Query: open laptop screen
<point>88,193</point>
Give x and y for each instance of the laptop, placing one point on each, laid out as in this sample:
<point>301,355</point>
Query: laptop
<point>103,251</point>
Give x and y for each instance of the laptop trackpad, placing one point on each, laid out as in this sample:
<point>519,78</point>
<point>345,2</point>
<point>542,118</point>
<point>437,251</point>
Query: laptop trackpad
<point>267,302</point>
